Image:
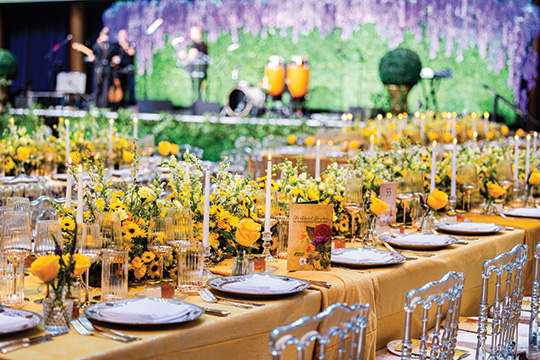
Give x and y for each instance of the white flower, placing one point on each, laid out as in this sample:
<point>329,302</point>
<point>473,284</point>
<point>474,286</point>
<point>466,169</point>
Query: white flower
<point>302,261</point>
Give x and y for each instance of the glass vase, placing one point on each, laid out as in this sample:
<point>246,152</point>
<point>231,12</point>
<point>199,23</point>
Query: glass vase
<point>371,234</point>
<point>57,314</point>
<point>240,265</point>
<point>427,225</point>
<point>490,208</point>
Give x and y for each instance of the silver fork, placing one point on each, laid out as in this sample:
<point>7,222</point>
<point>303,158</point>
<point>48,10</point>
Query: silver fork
<point>84,332</point>
<point>91,327</point>
<point>209,297</point>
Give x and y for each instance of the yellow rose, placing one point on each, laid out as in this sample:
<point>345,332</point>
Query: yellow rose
<point>447,137</point>
<point>127,156</point>
<point>520,132</point>
<point>310,141</point>
<point>164,148</point>
<point>23,153</point>
<point>505,130</point>
<point>291,139</point>
<point>247,232</point>
<point>174,149</point>
<point>534,178</point>
<point>45,268</point>
<point>437,199</point>
<point>81,264</point>
<point>378,206</point>
<point>495,190</point>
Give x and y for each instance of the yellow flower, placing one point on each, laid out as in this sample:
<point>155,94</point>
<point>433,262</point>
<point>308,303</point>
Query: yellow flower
<point>23,153</point>
<point>164,148</point>
<point>146,193</point>
<point>520,132</point>
<point>136,262</point>
<point>173,150</point>
<point>127,156</point>
<point>354,144</point>
<point>139,272</point>
<point>432,135</point>
<point>291,139</point>
<point>310,141</point>
<point>116,205</point>
<point>67,223</point>
<point>495,190</point>
<point>313,195</point>
<point>490,135</point>
<point>534,178</point>
<point>447,137</point>
<point>148,256</point>
<point>81,264</point>
<point>45,268</point>
<point>222,225</point>
<point>153,270</point>
<point>247,232</point>
<point>505,130</point>
<point>437,199</point>
<point>343,225</point>
<point>131,230</point>
<point>213,241</point>
<point>378,206</point>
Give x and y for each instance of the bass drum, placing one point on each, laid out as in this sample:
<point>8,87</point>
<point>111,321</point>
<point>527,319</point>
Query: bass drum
<point>245,99</point>
<point>274,76</point>
<point>298,76</point>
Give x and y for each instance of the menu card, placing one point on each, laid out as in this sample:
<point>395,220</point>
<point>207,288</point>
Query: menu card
<point>388,194</point>
<point>310,237</point>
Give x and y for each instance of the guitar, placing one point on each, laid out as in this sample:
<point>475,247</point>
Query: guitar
<point>81,48</point>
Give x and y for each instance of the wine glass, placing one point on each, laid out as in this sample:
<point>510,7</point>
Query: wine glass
<point>469,181</point>
<point>405,194</point>
<point>160,234</point>
<point>352,201</point>
<point>283,203</point>
<point>111,230</point>
<point>89,244</point>
<point>418,189</point>
<point>182,227</point>
<point>504,175</point>
<point>48,234</point>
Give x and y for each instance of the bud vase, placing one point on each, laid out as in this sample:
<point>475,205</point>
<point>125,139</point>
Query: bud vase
<point>371,235</point>
<point>427,225</point>
<point>240,265</point>
<point>57,314</point>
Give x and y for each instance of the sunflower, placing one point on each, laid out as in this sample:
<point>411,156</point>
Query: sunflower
<point>132,230</point>
<point>153,269</point>
<point>343,225</point>
<point>115,205</point>
<point>136,262</point>
<point>148,256</point>
<point>67,224</point>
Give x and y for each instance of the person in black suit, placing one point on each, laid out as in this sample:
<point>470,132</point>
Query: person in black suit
<point>197,57</point>
<point>123,56</point>
<point>102,69</point>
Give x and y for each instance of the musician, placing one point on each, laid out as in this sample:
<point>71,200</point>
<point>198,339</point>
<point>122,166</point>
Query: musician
<point>124,58</point>
<point>197,57</point>
<point>102,70</point>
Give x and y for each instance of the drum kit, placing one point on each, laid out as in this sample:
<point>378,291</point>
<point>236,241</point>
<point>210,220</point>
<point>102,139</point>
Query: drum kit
<point>245,99</point>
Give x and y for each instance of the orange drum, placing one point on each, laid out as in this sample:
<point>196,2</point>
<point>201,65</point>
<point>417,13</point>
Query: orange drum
<point>273,81</point>
<point>298,76</point>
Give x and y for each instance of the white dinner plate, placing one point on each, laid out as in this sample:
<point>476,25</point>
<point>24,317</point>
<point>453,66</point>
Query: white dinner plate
<point>365,257</point>
<point>143,312</point>
<point>258,285</point>
<point>523,212</point>
<point>469,228</point>
<point>16,320</point>
<point>419,241</point>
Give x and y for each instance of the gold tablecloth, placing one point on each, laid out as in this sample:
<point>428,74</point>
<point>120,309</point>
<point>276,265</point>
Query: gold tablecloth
<point>244,334</point>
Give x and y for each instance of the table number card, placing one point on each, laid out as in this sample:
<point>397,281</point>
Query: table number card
<point>388,195</point>
<point>310,237</point>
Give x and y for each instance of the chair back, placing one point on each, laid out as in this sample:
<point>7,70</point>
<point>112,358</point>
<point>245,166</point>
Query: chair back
<point>507,303</point>
<point>336,320</point>
<point>447,290</point>
<point>535,300</point>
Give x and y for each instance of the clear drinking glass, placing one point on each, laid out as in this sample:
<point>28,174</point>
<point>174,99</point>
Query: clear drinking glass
<point>89,244</point>
<point>16,233</point>
<point>517,194</point>
<point>284,203</point>
<point>17,203</point>
<point>469,180</point>
<point>46,233</point>
<point>114,275</point>
<point>190,266</point>
<point>352,199</point>
<point>111,230</point>
<point>405,194</point>
<point>417,177</point>
<point>12,279</point>
<point>182,234</point>
<point>505,177</point>
<point>160,234</point>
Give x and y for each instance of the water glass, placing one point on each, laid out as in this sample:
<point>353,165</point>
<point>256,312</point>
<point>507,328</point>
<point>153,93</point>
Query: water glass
<point>517,194</point>
<point>190,266</point>
<point>17,203</point>
<point>182,225</point>
<point>160,234</point>
<point>352,201</point>
<point>48,234</point>
<point>114,275</point>
<point>111,230</point>
<point>89,245</point>
<point>16,233</point>
<point>12,280</point>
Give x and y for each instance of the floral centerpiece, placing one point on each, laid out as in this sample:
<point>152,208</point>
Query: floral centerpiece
<point>247,233</point>
<point>435,201</point>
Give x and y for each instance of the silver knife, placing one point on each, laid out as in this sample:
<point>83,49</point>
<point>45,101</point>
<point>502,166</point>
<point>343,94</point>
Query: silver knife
<point>26,342</point>
<point>242,301</point>
<point>215,312</point>
<point>320,283</point>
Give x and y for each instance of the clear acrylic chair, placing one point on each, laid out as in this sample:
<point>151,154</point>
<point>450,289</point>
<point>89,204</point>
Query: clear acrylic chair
<point>337,319</point>
<point>534,348</point>
<point>508,267</point>
<point>447,291</point>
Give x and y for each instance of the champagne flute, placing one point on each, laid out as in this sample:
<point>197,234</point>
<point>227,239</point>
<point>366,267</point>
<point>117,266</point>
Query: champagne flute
<point>284,203</point>
<point>418,192</point>
<point>505,177</point>
<point>88,244</point>
<point>352,201</point>
<point>182,227</point>
<point>48,234</point>
<point>469,179</point>
<point>405,194</point>
<point>110,228</point>
<point>160,234</point>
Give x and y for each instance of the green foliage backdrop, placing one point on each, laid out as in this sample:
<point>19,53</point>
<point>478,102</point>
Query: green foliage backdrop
<point>343,73</point>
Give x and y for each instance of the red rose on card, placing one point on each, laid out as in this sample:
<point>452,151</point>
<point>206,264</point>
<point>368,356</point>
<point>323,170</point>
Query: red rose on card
<point>322,230</point>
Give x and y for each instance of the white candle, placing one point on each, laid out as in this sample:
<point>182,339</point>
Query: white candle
<point>111,133</point>
<point>399,125</point>
<point>516,155</point>
<point>268,208</point>
<point>433,166</point>
<point>68,184</point>
<point>188,167</point>
<point>453,183</point>
<point>80,187</point>
<point>206,214</point>
<point>534,141</point>
<point>372,145</point>
<point>454,126</point>
<point>13,128</point>
<point>422,128</point>
<point>486,123</point>
<point>68,150</point>
<point>528,157</point>
<point>135,128</point>
<point>379,125</point>
<point>318,160</point>
<point>344,124</point>
<point>473,125</point>
<point>475,135</point>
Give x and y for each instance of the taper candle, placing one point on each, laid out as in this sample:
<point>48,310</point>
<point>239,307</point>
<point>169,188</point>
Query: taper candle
<point>475,136</point>
<point>318,160</point>
<point>372,145</point>
<point>68,150</point>
<point>535,136</point>
<point>486,122</point>
<point>135,128</point>
<point>454,165</point>
<point>422,128</point>
<point>68,184</point>
<point>268,205</point>
<point>433,166</point>
<point>473,120</point>
<point>528,157</point>
<point>516,160</point>
<point>206,214</point>
<point>80,187</point>
<point>111,134</point>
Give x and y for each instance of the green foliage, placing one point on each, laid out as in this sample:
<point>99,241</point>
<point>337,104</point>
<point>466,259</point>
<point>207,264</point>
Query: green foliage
<point>8,67</point>
<point>400,67</point>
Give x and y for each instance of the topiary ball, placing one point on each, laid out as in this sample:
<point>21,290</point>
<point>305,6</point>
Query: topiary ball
<point>400,67</point>
<point>8,67</point>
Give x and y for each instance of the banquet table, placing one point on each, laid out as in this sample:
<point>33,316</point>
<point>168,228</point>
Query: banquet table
<point>245,333</point>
